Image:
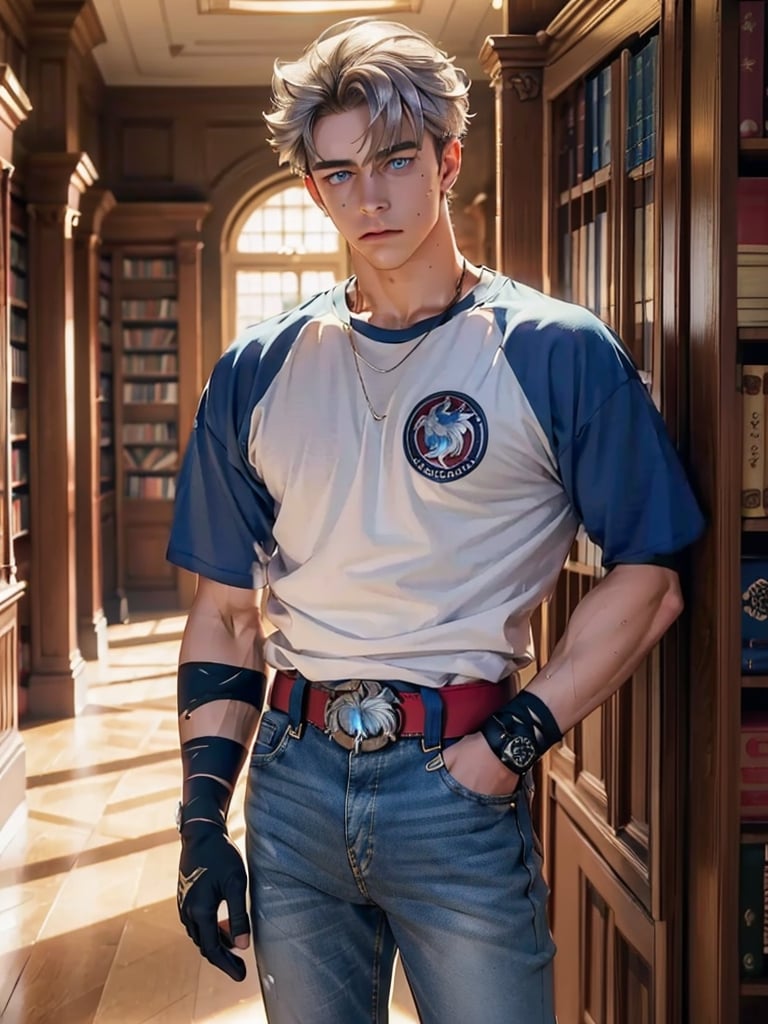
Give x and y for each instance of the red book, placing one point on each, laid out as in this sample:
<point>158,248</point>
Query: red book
<point>752,211</point>
<point>754,766</point>
<point>751,68</point>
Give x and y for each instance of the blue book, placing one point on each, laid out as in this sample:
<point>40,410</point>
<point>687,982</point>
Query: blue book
<point>634,82</point>
<point>604,104</point>
<point>754,615</point>
<point>649,52</point>
<point>638,113</point>
<point>592,147</point>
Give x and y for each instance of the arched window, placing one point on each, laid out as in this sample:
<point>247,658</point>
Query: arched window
<point>282,250</point>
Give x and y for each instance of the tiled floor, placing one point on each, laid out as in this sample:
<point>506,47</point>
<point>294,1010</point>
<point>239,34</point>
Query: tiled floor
<point>88,926</point>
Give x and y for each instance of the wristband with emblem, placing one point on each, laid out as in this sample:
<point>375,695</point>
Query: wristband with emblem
<point>521,732</point>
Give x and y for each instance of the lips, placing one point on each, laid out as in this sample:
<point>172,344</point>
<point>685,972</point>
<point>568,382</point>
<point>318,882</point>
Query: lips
<point>384,233</point>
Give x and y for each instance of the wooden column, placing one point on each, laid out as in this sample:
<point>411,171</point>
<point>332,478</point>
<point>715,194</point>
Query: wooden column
<point>91,617</point>
<point>514,64</point>
<point>55,184</point>
<point>189,257</point>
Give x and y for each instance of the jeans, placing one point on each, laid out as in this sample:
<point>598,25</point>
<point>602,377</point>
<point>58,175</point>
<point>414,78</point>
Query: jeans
<point>353,857</point>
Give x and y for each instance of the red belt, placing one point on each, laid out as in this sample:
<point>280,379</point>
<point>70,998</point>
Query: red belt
<point>465,705</point>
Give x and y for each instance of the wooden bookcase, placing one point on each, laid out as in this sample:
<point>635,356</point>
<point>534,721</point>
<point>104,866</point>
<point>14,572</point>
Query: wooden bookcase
<point>20,422</point>
<point>614,842</point>
<point>113,598</point>
<point>156,379</point>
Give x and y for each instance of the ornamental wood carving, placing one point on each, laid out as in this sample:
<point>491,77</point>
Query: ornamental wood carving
<point>526,83</point>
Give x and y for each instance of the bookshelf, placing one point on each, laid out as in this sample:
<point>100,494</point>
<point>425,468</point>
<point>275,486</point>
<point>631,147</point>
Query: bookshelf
<point>113,597</point>
<point>748,66</point>
<point>614,785</point>
<point>156,379</point>
<point>20,423</point>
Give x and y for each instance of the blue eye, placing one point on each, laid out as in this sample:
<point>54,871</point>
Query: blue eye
<point>398,163</point>
<point>338,177</point>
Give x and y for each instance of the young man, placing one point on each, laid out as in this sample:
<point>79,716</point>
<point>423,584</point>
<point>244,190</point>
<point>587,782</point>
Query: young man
<point>399,466</point>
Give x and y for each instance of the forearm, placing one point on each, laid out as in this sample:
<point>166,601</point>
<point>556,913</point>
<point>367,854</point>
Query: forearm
<point>609,633</point>
<point>220,692</point>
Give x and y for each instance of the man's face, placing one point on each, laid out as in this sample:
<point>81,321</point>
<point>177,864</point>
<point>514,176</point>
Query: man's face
<point>386,207</point>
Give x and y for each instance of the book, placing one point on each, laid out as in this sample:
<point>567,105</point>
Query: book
<point>752,211</point>
<point>753,766</point>
<point>753,439</point>
<point>753,912</point>
<point>754,609</point>
<point>605,115</point>
<point>751,68</point>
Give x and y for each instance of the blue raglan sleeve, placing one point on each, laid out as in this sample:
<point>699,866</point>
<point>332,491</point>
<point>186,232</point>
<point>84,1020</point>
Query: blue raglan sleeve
<point>223,515</point>
<point>613,452</point>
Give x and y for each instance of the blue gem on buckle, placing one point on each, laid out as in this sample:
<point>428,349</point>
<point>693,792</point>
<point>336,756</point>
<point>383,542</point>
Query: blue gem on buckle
<point>365,718</point>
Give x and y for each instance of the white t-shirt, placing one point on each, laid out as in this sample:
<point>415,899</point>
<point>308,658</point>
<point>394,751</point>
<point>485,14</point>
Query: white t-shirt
<point>417,547</point>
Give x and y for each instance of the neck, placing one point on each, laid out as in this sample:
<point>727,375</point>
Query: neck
<point>397,298</point>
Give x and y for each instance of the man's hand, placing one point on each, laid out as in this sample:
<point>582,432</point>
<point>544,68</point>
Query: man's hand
<point>472,763</point>
<point>211,871</point>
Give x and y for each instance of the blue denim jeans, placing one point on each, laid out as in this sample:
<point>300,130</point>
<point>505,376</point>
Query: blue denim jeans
<point>353,857</point>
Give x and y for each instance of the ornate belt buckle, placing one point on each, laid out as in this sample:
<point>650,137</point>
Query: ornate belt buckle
<point>364,718</point>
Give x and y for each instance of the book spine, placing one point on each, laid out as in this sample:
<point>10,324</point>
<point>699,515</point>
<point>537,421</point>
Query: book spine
<point>751,68</point>
<point>650,93</point>
<point>753,441</point>
<point>593,122</point>
<point>581,128</point>
<point>752,915</point>
<point>605,116</point>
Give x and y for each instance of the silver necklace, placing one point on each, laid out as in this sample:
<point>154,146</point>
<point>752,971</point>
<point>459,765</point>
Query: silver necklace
<point>360,358</point>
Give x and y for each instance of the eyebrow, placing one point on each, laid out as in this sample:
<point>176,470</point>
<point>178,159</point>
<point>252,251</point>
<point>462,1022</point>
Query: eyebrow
<point>326,165</point>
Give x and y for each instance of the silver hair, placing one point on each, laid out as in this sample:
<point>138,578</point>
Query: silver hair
<point>399,73</point>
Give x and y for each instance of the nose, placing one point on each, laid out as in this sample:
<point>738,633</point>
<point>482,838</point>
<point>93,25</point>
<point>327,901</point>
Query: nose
<point>372,198</point>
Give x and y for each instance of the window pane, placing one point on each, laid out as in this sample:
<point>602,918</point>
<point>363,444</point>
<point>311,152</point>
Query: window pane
<point>261,294</point>
<point>287,223</point>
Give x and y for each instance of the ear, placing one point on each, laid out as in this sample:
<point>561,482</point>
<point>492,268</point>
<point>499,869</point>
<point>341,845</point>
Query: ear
<point>311,187</point>
<point>450,164</point>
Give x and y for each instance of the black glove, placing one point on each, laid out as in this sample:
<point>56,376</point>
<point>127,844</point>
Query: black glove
<point>211,871</point>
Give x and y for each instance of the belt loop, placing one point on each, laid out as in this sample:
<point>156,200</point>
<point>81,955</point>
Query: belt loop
<point>296,707</point>
<point>433,718</point>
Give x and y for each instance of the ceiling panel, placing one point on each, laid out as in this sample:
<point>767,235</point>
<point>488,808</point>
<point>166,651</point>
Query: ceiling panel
<point>214,42</point>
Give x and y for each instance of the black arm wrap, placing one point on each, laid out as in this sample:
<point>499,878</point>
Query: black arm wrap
<point>212,764</point>
<point>521,732</point>
<point>200,682</point>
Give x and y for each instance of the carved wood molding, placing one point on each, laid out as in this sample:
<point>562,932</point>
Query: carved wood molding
<point>15,105</point>
<point>59,178</point>
<point>96,204</point>
<point>502,55</point>
<point>155,222</point>
<point>580,18</point>
<point>74,21</point>
<point>525,81</point>
<point>17,14</point>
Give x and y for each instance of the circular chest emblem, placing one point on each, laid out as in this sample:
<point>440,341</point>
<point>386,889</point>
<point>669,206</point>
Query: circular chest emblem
<point>445,436</point>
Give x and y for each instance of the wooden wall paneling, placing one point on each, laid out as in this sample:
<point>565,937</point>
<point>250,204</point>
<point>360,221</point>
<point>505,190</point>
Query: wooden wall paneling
<point>607,944</point>
<point>714,707</point>
<point>92,621</point>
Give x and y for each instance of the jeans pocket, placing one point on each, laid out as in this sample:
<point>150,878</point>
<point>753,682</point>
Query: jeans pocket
<point>485,799</point>
<point>271,739</point>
